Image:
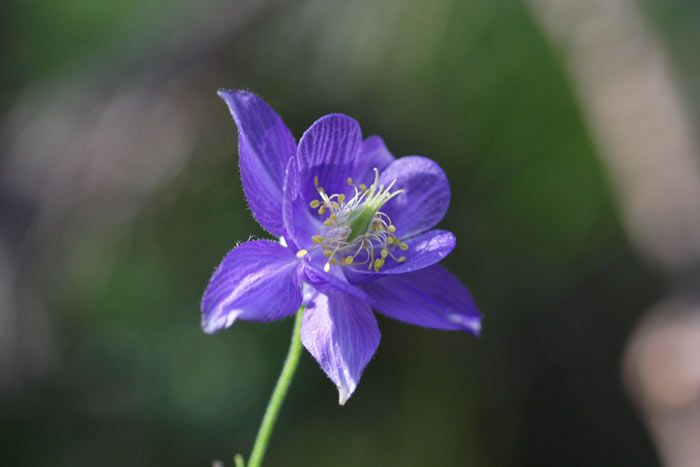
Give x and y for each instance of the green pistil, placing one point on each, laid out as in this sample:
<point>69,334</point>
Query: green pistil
<point>360,220</point>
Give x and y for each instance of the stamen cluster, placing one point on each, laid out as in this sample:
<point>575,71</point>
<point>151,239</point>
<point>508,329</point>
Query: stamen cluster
<point>356,226</point>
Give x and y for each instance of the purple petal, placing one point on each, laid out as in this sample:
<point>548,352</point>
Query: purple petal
<point>423,250</point>
<point>299,221</point>
<point>431,297</point>
<point>265,144</point>
<point>334,280</point>
<point>373,154</point>
<point>328,150</point>
<point>257,281</point>
<point>425,198</point>
<point>342,335</point>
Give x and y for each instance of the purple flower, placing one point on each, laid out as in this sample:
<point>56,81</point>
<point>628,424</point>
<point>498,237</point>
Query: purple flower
<point>355,234</point>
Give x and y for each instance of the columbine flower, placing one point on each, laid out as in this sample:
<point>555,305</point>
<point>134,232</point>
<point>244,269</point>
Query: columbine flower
<point>354,226</point>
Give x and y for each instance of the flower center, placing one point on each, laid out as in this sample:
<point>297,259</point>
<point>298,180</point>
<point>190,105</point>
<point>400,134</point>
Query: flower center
<point>356,227</point>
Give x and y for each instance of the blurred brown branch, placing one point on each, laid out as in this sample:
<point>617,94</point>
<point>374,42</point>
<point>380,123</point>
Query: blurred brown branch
<point>635,112</point>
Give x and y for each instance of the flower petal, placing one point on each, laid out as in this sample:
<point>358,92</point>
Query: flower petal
<point>342,335</point>
<point>328,150</point>
<point>257,281</point>
<point>431,297</point>
<point>334,280</point>
<point>299,222</point>
<point>265,144</point>
<point>373,154</point>
<point>423,250</point>
<point>425,198</point>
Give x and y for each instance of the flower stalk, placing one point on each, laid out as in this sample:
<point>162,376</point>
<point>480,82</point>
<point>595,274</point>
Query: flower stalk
<point>278,395</point>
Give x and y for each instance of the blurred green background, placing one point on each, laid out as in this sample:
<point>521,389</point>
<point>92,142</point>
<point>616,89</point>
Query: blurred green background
<point>120,194</point>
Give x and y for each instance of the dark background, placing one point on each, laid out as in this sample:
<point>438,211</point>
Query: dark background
<point>120,194</point>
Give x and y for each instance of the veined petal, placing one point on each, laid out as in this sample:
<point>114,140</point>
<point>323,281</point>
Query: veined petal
<point>425,198</point>
<point>423,250</point>
<point>328,150</point>
<point>265,144</point>
<point>342,335</point>
<point>257,281</point>
<point>299,222</point>
<point>373,154</point>
<point>431,297</point>
<point>334,280</point>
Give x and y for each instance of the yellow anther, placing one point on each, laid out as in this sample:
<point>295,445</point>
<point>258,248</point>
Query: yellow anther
<point>378,263</point>
<point>327,267</point>
<point>333,217</point>
<point>322,209</point>
<point>385,253</point>
<point>317,239</point>
<point>341,198</point>
<point>327,252</point>
<point>327,223</point>
<point>315,203</point>
<point>301,253</point>
<point>363,187</point>
<point>401,259</point>
<point>316,181</point>
<point>390,240</point>
<point>350,181</point>
<point>347,260</point>
<point>392,229</point>
<point>335,263</point>
<point>404,247</point>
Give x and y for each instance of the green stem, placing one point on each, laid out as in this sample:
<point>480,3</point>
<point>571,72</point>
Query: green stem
<point>273,407</point>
